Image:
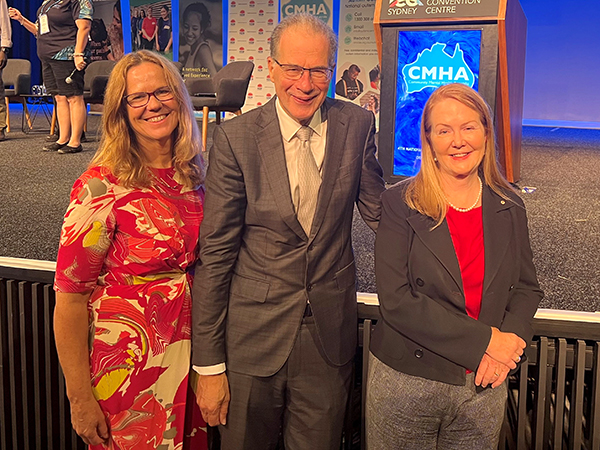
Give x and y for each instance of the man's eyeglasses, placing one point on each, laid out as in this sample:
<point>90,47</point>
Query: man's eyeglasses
<point>141,99</point>
<point>293,72</point>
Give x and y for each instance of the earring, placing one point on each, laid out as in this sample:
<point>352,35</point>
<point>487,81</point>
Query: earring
<point>435,159</point>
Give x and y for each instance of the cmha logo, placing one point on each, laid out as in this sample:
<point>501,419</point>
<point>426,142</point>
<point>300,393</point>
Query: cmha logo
<point>242,31</point>
<point>261,13</point>
<point>260,50</point>
<point>261,31</point>
<point>251,40</point>
<point>250,96</point>
<point>231,58</point>
<point>251,22</point>
<point>232,41</point>
<point>251,58</point>
<point>259,87</point>
<point>315,7</point>
<point>233,4</point>
<point>242,13</point>
<point>242,50</point>
<point>433,68</point>
<point>252,3</point>
<point>271,3</point>
<point>270,22</point>
<point>258,104</point>
<point>269,95</point>
<point>259,68</point>
<point>232,22</point>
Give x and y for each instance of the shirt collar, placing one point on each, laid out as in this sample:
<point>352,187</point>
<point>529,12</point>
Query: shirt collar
<point>289,126</point>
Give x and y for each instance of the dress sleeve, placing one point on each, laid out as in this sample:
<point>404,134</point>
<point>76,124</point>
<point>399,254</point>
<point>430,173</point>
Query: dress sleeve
<point>86,234</point>
<point>82,9</point>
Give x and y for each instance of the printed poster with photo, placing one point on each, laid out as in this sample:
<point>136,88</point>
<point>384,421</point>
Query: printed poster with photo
<point>200,38</point>
<point>152,26</point>
<point>358,73</point>
<point>250,28</point>
<point>106,33</point>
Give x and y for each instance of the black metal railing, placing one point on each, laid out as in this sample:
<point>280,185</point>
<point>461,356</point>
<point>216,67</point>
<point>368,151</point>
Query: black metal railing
<point>553,402</point>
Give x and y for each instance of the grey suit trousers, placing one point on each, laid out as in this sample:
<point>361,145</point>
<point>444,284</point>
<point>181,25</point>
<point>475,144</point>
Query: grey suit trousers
<point>303,404</point>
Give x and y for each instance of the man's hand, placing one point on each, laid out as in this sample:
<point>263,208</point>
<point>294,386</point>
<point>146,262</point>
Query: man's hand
<point>89,422</point>
<point>212,396</point>
<point>505,348</point>
<point>3,60</point>
<point>491,372</point>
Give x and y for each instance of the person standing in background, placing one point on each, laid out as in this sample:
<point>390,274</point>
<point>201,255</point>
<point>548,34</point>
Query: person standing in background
<point>164,37</point>
<point>62,29</point>
<point>5,44</point>
<point>115,33</point>
<point>148,30</point>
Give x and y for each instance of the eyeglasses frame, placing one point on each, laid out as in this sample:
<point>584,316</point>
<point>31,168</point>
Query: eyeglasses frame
<point>329,70</point>
<point>149,94</point>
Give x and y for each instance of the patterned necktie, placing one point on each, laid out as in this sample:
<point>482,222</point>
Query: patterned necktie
<point>309,180</point>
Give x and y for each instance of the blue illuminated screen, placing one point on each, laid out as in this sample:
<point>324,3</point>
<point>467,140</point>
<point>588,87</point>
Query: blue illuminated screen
<point>427,60</point>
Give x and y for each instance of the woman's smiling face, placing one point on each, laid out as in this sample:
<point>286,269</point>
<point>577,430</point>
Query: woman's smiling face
<point>192,28</point>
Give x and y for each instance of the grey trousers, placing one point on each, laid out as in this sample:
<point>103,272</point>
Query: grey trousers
<point>413,413</point>
<point>304,402</point>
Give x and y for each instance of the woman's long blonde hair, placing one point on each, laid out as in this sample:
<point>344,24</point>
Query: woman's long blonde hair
<point>424,192</point>
<point>119,148</point>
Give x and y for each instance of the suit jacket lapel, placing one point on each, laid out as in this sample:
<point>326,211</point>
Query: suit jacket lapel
<point>337,130</point>
<point>270,147</point>
<point>439,242</point>
<point>497,232</point>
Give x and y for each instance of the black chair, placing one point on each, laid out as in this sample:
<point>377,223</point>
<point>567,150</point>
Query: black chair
<point>17,82</point>
<point>95,81</point>
<point>226,91</point>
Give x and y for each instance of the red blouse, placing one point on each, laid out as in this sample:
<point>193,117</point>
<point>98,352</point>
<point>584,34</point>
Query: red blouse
<point>466,230</point>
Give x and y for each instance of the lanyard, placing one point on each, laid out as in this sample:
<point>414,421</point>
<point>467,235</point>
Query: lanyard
<point>42,12</point>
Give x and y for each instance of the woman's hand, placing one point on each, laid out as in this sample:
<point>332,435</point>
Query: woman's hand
<point>505,348</point>
<point>89,422</point>
<point>15,14</point>
<point>79,62</point>
<point>491,372</point>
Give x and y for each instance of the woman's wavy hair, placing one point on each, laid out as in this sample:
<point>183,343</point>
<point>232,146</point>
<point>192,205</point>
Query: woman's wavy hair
<point>424,192</point>
<point>119,148</point>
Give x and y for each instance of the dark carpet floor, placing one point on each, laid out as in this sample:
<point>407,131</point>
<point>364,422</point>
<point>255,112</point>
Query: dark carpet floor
<point>564,211</point>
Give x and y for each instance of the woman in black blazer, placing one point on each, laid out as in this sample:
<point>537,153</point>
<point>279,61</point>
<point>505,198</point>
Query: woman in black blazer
<point>457,288</point>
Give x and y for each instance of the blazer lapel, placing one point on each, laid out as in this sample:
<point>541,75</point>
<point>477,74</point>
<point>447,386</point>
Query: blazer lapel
<point>439,242</point>
<point>497,233</point>
<point>337,130</point>
<point>270,147</point>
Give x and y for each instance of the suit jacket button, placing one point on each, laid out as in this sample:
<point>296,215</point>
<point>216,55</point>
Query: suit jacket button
<point>309,287</point>
<point>420,282</point>
<point>418,353</point>
<point>512,286</point>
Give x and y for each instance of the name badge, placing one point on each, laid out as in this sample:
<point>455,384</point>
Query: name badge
<point>43,24</point>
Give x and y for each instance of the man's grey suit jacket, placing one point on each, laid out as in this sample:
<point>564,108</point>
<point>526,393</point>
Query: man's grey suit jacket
<point>258,268</point>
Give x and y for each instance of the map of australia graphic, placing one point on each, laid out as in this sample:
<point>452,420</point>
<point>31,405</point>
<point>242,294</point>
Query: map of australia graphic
<point>434,67</point>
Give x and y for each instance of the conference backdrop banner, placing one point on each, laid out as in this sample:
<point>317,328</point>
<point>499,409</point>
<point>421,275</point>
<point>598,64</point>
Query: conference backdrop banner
<point>357,75</point>
<point>250,28</point>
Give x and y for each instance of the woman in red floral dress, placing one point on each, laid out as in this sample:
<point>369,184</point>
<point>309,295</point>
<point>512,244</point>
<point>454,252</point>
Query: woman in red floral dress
<point>129,241</point>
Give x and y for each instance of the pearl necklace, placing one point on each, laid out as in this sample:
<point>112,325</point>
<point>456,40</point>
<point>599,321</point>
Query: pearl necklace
<point>473,205</point>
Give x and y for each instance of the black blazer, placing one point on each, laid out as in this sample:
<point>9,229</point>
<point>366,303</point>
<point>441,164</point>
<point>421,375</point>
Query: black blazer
<point>425,330</point>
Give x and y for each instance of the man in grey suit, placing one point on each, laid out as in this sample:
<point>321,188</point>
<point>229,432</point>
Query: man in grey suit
<point>274,294</point>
